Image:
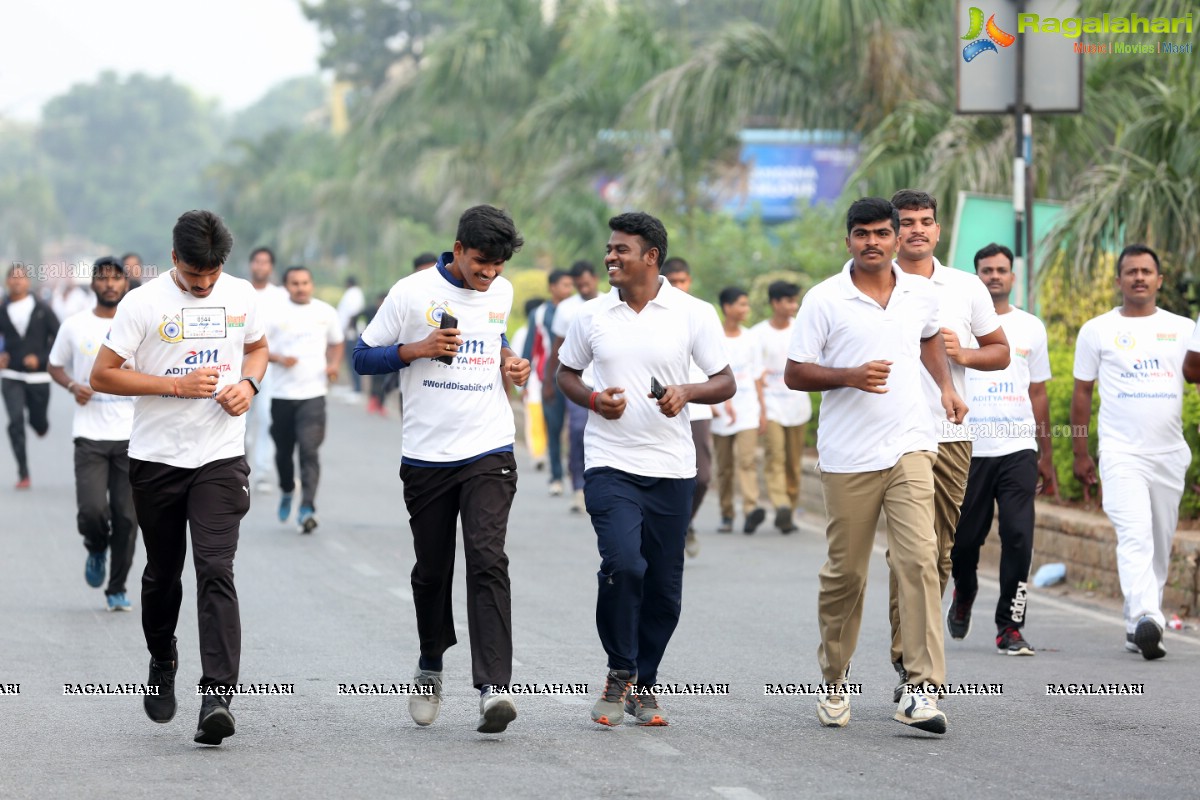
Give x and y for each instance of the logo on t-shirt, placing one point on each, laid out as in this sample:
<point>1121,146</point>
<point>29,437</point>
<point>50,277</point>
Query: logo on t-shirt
<point>171,329</point>
<point>1168,337</point>
<point>433,315</point>
<point>235,320</point>
<point>496,317</point>
<point>1125,341</point>
<point>1021,352</point>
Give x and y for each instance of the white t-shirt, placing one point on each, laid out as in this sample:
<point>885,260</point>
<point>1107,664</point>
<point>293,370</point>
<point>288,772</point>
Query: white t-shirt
<point>785,406</point>
<point>452,412</point>
<point>744,360</point>
<point>627,349</point>
<point>1001,417</point>
<point>564,313</point>
<point>270,297</point>
<point>841,327</point>
<point>105,417</point>
<point>171,332</point>
<point>698,412</point>
<point>303,331</point>
<point>965,307</point>
<point>1139,364</point>
<point>350,306</point>
<point>20,312</point>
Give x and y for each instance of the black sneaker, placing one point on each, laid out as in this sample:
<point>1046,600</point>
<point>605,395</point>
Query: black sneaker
<point>753,520</point>
<point>1148,637</point>
<point>1010,642</point>
<point>898,692</point>
<point>958,618</point>
<point>216,720</point>
<point>783,520</point>
<point>161,707</point>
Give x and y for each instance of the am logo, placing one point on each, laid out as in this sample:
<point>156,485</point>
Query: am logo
<point>200,357</point>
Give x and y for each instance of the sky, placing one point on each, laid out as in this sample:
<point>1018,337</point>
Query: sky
<point>230,50</point>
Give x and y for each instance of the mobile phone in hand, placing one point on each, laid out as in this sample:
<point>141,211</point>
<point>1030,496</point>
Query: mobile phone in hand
<point>656,388</point>
<point>448,321</point>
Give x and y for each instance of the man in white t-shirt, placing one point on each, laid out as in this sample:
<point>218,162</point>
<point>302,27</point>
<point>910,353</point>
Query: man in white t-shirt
<point>1009,420</point>
<point>678,273</point>
<point>739,421</point>
<point>260,449</point>
<point>1136,352</point>
<point>862,338</point>
<point>103,496</point>
<point>640,340</point>
<point>457,458</point>
<point>965,314</point>
<point>199,352</point>
<point>349,307</point>
<point>787,411</point>
<point>306,346</point>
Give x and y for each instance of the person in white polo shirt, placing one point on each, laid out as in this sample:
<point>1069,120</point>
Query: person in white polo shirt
<point>1136,351</point>
<point>457,460</point>
<point>306,346</point>
<point>966,316</point>
<point>103,422</point>
<point>787,412</point>
<point>861,338</point>
<point>640,340</point>
<point>1009,420</point>
<point>199,352</point>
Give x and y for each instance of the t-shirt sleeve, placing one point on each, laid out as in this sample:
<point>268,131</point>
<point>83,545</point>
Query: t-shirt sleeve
<point>809,332</point>
<point>333,327</point>
<point>60,353</point>
<point>576,350</point>
<point>1087,353</point>
<point>708,340</point>
<point>1039,355</point>
<point>129,327</point>
<point>384,328</point>
<point>984,319</point>
<point>255,324</point>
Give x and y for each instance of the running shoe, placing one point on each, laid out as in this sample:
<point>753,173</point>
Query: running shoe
<point>1148,637</point>
<point>610,708</point>
<point>898,692</point>
<point>496,710</point>
<point>1010,642</point>
<point>285,506</point>
<point>753,520</point>
<point>919,710</point>
<point>833,707</point>
<point>22,484</point>
<point>161,707</point>
<point>691,545</point>
<point>556,488</point>
<point>422,707</point>
<point>783,520</point>
<point>578,505</point>
<point>642,705</point>
<point>958,618</point>
<point>118,602</point>
<point>726,525</point>
<point>216,720</point>
<point>1131,645</point>
<point>93,570</point>
<point>308,520</point>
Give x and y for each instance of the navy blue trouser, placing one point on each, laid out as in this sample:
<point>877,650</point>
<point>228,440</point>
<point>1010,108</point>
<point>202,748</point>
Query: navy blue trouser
<point>555,414</point>
<point>640,526</point>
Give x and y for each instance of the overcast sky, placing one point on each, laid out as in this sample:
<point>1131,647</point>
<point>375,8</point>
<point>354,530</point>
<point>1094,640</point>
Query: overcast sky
<point>231,50</point>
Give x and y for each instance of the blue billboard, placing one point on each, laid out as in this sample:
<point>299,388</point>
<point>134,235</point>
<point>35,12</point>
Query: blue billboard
<point>784,171</point>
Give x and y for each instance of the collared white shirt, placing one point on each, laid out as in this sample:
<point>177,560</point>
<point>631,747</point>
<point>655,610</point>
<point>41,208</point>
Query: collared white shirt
<point>841,327</point>
<point>628,348</point>
<point>965,307</point>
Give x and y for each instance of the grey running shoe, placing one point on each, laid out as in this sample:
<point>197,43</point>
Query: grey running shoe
<point>610,708</point>
<point>423,707</point>
<point>643,706</point>
<point>496,710</point>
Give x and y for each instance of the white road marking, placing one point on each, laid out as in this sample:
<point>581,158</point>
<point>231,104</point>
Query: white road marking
<point>736,793</point>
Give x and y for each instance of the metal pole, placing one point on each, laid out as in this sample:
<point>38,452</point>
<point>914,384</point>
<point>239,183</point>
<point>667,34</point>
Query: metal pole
<point>1018,169</point>
<point>1030,192</point>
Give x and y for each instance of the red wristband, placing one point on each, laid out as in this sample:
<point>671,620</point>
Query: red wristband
<point>592,401</point>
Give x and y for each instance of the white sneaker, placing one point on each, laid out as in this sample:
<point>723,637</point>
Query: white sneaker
<point>424,708</point>
<point>833,708</point>
<point>691,545</point>
<point>496,710</point>
<point>556,488</point>
<point>920,710</point>
<point>578,504</point>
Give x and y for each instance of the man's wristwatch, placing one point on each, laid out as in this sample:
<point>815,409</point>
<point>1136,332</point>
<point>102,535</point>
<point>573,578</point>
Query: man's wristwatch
<point>253,382</point>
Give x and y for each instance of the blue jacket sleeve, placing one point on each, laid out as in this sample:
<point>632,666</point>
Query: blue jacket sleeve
<point>377,360</point>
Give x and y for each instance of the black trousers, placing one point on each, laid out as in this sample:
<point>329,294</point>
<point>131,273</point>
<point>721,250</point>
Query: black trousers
<point>210,500</point>
<point>1008,481</point>
<point>104,502</point>
<point>20,396</point>
<point>481,493</point>
<point>298,424</point>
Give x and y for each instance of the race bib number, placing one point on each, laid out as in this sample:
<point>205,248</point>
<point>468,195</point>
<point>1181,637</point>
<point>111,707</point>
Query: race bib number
<point>204,323</point>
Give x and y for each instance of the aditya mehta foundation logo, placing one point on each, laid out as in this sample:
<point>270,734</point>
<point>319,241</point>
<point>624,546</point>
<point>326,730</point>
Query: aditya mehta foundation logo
<point>996,37</point>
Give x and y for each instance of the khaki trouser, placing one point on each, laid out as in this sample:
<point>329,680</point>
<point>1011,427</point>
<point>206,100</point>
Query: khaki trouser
<point>853,502</point>
<point>736,457</point>
<point>949,488</point>
<point>785,447</point>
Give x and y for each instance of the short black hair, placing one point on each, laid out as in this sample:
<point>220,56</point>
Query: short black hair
<point>871,209</point>
<point>1138,250</point>
<point>489,230</point>
<point>993,249</point>
<point>675,264</point>
<point>109,262</point>
<point>556,275</point>
<point>423,259</point>
<point>130,255</point>
<point>730,295</point>
<point>915,200</point>
<point>267,250</point>
<point>351,281</point>
<point>294,268</point>
<point>531,305</point>
<point>582,267</point>
<point>651,229</point>
<point>781,289</point>
<point>201,240</point>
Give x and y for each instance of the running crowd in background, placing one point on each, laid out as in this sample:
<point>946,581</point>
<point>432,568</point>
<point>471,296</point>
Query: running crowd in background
<point>934,412</point>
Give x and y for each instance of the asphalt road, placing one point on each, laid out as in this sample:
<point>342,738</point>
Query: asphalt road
<point>335,607</point>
